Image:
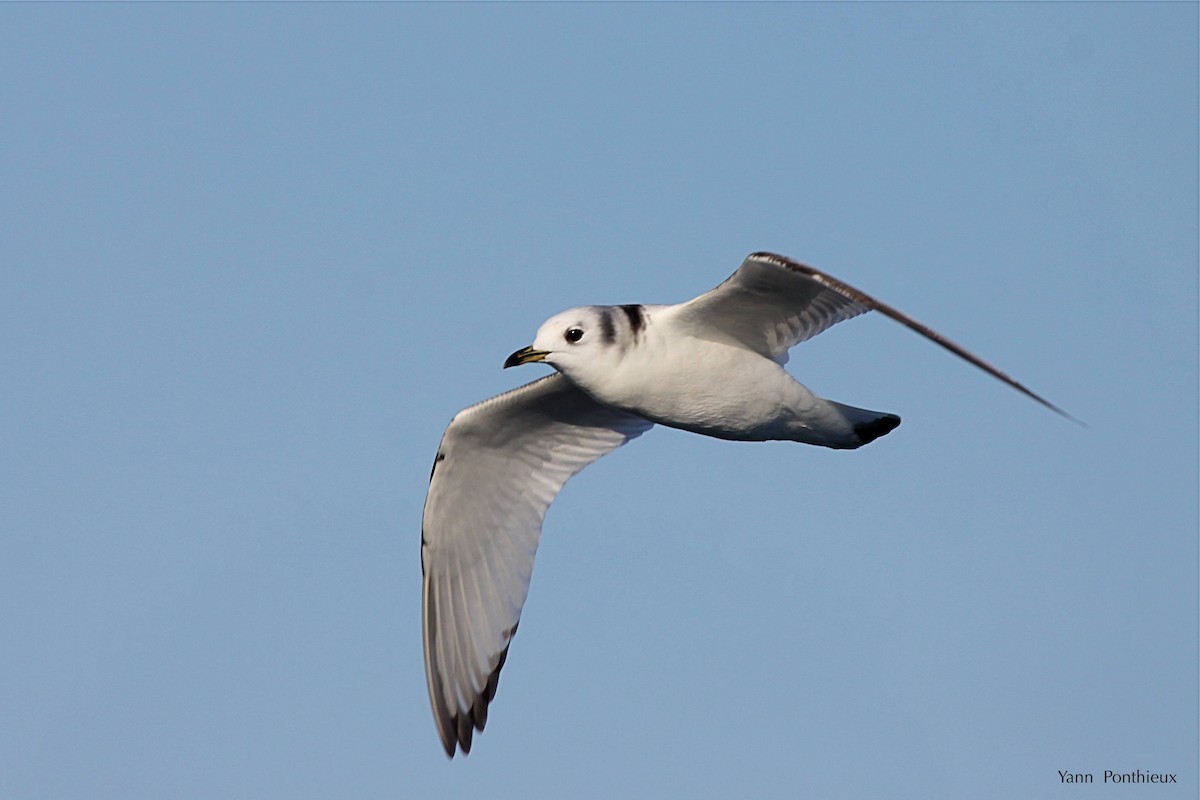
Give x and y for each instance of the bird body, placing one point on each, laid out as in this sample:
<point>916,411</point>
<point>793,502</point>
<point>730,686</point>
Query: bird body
<point>683,381</point>
<point>712,365</point>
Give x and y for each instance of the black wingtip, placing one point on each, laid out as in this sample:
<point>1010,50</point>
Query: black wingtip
<point>459,731</point>
<point>1062,413</point>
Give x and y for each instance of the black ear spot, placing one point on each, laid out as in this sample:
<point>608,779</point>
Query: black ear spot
<point>573,335</point>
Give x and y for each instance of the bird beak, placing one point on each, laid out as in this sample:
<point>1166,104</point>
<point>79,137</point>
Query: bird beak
<point>526,355</point>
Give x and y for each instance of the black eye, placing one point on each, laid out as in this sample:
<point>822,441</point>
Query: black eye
<point>573,335</point>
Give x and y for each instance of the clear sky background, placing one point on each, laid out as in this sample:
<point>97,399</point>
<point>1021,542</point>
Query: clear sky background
<point>255,257</point>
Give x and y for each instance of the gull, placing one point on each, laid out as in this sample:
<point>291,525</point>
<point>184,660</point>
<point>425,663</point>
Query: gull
<point>712,365</point>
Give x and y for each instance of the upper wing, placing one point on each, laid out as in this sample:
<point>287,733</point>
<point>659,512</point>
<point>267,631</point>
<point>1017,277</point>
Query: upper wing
<point>499,465</point>
<point>773,303</point>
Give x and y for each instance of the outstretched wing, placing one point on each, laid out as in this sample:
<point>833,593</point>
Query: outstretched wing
<point>498,467</point>
<point>772,304</point>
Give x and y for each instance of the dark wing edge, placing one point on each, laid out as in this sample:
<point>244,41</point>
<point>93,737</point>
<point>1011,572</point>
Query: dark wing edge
<point>861,297</point>
<point>456,728</point>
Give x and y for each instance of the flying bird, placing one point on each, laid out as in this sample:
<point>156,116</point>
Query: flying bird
<point>712,365</point>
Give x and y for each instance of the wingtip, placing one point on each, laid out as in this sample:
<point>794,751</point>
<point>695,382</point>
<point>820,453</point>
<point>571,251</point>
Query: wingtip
<point>457,730</point>
<point>1065,415</point>
<point>450,746</point>
<point>1025,390</point>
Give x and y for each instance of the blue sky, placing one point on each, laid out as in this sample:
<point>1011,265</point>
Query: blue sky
<point>256,256</point>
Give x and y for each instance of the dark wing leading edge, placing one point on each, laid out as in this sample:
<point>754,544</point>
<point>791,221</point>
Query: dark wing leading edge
<point>773,303</point>
<point>498,467</point>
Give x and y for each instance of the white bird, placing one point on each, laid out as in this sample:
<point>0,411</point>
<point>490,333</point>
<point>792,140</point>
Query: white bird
<point>712,365</point>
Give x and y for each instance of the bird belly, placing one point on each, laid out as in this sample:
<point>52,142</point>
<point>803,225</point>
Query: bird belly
<point>722,391</point>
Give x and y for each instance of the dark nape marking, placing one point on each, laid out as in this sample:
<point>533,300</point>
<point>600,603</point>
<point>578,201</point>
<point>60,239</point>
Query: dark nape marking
<point>608,331</point>
<point>868,432</point>
<point>636,315</point>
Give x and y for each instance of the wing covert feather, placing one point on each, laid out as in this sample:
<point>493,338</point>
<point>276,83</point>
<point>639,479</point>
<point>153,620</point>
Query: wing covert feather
<point>770,305</point>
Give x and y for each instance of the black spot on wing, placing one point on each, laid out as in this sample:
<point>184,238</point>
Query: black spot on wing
<point>608,331</point>
<point>424,540</point>
<point>637,317</point>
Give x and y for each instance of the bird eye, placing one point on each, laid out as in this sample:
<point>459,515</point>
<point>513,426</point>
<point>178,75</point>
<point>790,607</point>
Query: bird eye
<point>573,335</point>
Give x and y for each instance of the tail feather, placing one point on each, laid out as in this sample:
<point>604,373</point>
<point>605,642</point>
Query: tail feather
<point>868,425</point>
<point>868,432</point>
